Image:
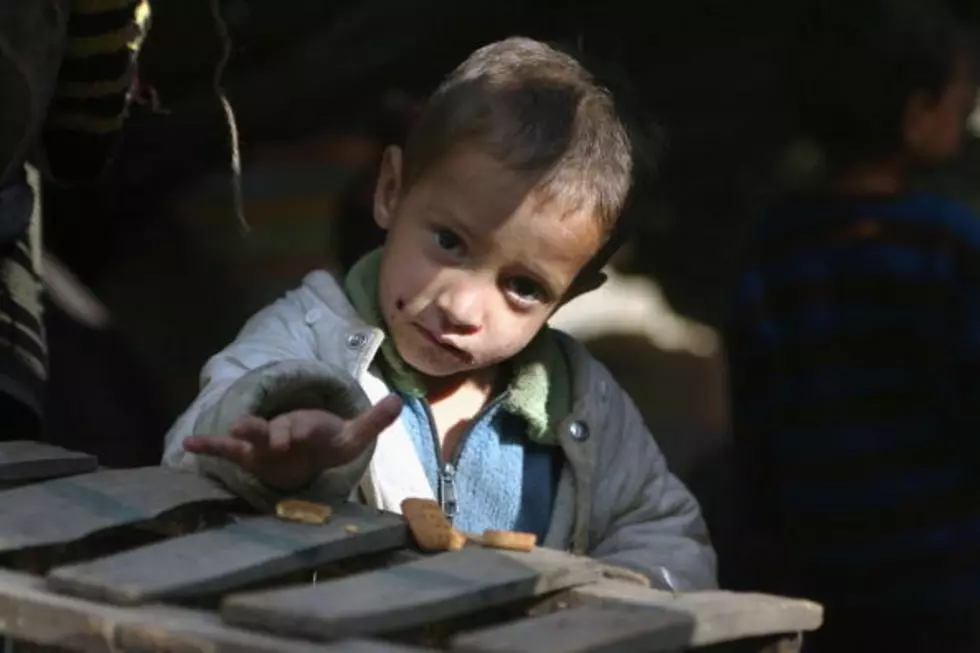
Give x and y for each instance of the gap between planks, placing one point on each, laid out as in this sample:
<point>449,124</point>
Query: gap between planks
<point>220,559</point>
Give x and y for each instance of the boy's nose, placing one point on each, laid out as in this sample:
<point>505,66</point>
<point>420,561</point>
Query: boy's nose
<point>460,312</point>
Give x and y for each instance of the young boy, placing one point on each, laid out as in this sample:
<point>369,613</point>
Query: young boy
<point>498,210</point>
<point>855,348</point>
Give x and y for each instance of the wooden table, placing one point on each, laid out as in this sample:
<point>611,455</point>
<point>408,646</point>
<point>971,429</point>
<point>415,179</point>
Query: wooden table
<point>155,560</point>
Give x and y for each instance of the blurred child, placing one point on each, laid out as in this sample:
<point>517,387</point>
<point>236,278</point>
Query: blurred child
<point>855,346</point>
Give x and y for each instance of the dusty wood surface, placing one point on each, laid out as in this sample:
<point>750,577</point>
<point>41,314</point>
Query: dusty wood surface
<point>587,629</point>
<point>718,616</point>
<point>23,460</point>
<point>68,509</point>
<point>410,595</point>
<point>241,553</point>
<point>370,581</point>
<point>29,612</point>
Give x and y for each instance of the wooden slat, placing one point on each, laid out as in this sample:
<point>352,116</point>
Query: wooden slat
<point>587,629</point>
<point>217,560</point>
<point>718,616</point>
<point>409,595</point>
<point>28,611</point>
<point>68,509</point>
<point>24,460</point>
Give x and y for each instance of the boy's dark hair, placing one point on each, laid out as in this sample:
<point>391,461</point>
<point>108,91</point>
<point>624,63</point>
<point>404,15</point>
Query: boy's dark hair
<point>535,109</point>
<point>858,63</point>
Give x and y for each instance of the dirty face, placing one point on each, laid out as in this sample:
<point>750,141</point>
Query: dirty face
<point>475,260</point>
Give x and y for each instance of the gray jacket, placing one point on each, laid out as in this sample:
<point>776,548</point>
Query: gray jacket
<point>616,499</point>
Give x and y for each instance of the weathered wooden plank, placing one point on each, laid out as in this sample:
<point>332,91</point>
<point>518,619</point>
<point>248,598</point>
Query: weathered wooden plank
<point>718,616</point>
<point>235,555</point>
<point>25,460</point>
<point>68,509</point>
<point>588,629</point>
<point>30,612</point>
<point>412,594</point>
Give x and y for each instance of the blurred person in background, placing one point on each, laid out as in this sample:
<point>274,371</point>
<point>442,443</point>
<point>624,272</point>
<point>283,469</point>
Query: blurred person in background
<point>854,347</point>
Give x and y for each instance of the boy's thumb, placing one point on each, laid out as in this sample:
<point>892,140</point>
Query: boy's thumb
<point>368,425</point>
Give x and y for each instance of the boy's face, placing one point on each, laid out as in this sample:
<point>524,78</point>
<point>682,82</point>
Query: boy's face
<point>473,263</point>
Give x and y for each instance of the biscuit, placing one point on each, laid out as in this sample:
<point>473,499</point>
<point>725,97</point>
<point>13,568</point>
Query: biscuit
<point>429,525</point>
<point>457,540</point>
<point>305,512</point>
<point>511,540</point>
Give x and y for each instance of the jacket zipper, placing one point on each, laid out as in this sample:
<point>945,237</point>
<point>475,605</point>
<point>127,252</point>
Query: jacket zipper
<point>447,468</point>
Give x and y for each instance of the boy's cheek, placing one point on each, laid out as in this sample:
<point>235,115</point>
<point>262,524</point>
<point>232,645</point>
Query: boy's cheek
<point>403,292</point>
<point>403,274</point>
<point>516,337</point>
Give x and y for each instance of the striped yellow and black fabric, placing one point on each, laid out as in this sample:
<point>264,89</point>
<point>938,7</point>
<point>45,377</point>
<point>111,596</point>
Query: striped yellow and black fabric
<point>92,94</point>
<point>23,349</point>
<point>95,86</point>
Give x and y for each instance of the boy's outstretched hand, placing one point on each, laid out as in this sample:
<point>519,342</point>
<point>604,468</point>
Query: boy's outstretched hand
<point>290,450</point>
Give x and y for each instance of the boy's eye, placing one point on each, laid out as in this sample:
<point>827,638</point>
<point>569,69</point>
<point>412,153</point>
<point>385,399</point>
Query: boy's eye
<point>448,241</point>
<point>526,289</point>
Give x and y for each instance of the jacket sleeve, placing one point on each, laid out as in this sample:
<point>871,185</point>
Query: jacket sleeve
<point>270,368</point>
<point>644,519</point>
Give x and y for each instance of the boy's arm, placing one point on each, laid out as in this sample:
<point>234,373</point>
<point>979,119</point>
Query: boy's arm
<point>270,368</point>
<point>655,525</point>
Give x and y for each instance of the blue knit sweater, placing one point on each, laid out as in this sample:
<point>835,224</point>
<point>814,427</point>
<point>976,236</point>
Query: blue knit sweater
<point>498,478</point>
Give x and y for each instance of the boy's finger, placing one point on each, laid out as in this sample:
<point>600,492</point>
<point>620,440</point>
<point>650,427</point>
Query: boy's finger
<point>249,427</point>
<point>236,451</point>
<point>317,426</point>
<point>251,430</point>
<point>280,433</point>
<point>368,425</point>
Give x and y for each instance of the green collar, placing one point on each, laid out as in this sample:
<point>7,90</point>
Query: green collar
<point>539,391</point>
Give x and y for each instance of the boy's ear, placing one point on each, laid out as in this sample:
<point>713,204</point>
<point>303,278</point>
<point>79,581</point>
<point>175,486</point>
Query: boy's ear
<point>387,191</point>
<point>583,284</point>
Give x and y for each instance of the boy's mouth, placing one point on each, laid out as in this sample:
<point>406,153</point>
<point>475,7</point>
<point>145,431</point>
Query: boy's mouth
<point>443,344</point>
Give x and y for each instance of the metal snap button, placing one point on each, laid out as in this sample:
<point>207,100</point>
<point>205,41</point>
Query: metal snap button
<point>356,340</point>
<point>578,431</point>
